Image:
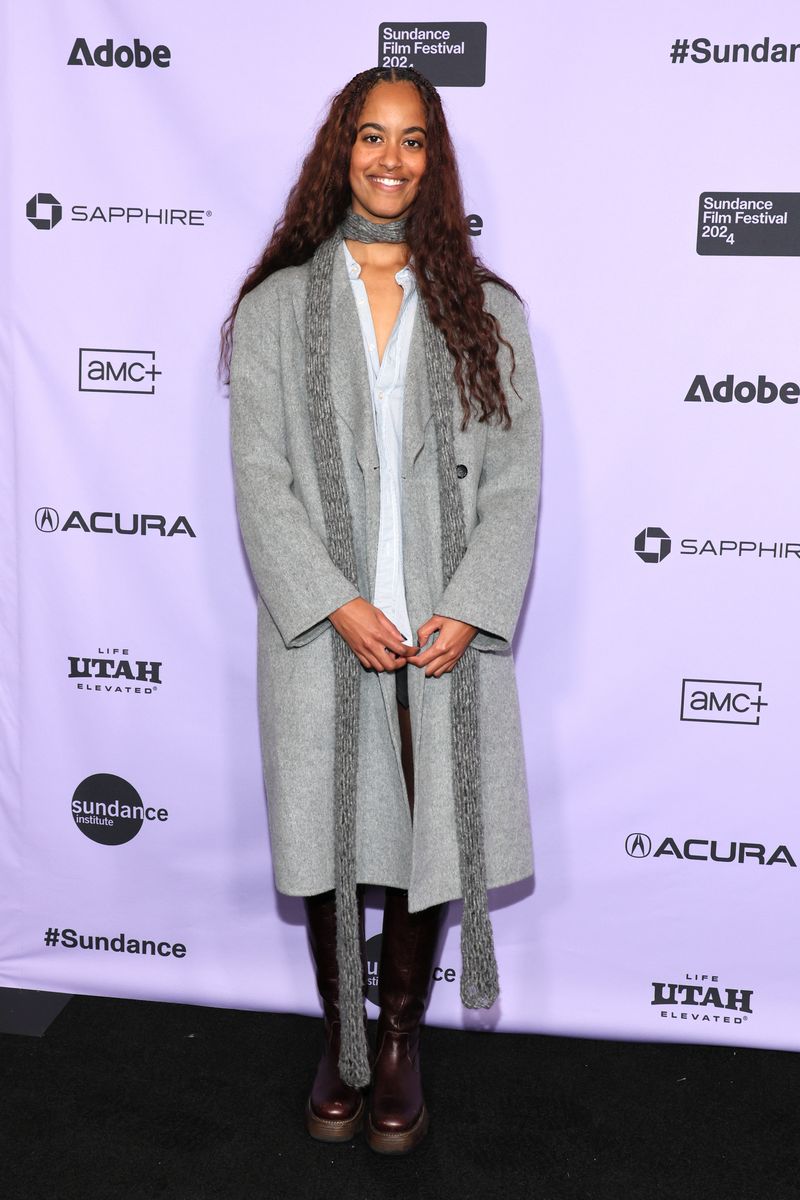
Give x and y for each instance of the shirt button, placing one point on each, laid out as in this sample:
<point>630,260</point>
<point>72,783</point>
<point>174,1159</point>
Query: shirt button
<point>461,470</point>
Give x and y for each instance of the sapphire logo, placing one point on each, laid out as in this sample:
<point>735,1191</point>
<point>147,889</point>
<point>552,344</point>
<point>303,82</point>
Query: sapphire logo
<point>43,210</point>
<point>652,544</point>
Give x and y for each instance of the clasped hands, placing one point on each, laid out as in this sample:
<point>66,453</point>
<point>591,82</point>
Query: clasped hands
<point>378,643</point>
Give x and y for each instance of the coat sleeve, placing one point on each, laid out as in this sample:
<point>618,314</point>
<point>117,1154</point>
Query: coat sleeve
<point>488,586</point>
<point>295,576</point>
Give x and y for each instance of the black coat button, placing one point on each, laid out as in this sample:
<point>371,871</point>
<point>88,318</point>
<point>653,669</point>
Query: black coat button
<point>461,470</point>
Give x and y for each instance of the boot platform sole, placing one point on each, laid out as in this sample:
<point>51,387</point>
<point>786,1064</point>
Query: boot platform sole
<point>399,1142</point>
<point>326,1130</point>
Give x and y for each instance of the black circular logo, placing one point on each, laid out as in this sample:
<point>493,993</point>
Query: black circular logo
<point>107,809</point>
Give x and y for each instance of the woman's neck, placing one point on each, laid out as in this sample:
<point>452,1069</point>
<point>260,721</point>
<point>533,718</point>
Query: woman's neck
<point>382,256</point>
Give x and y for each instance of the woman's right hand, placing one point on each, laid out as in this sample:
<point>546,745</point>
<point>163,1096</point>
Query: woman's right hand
<point>369,633</point>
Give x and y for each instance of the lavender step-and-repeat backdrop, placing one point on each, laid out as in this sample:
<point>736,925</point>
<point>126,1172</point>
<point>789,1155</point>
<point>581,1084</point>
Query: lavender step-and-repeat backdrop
<point>630,169</point>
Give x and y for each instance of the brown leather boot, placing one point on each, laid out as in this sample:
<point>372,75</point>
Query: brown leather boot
<point>335,1111</point>
<point>398,1117</point>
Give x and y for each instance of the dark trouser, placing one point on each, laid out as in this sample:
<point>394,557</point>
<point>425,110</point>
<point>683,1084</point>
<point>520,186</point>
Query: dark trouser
<point>401,682</point>
<point>404,717</point>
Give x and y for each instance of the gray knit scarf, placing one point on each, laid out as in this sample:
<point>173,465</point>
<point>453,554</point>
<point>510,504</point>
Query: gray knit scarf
<point>479,979</point>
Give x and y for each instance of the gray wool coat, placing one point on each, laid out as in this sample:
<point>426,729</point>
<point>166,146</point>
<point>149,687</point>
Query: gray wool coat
<point>281,519</point>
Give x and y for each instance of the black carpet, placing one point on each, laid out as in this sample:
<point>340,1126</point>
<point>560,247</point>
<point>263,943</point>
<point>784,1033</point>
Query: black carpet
<point>123,1100</point>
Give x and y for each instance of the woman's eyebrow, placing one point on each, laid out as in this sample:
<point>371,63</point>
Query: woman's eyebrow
<point>375,125</point>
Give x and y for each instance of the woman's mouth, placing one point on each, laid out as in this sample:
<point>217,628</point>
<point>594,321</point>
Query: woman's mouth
<point>385,182</point>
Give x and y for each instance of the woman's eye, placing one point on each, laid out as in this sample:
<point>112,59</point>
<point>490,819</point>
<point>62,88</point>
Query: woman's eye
<point>415,143</point>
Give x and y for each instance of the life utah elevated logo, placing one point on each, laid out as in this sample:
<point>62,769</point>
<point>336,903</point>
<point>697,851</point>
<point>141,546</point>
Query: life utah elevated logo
<point>701,999</point>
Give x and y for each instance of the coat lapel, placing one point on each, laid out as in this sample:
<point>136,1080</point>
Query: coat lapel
<point>417,412</point>
<point>349,377</point>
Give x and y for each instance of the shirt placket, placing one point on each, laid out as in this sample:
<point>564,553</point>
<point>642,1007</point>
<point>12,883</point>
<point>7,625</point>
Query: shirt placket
<point>384,395</point>
<point>385,388</point>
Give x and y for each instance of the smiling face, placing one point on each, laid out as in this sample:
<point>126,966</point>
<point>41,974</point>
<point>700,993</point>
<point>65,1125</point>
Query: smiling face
<point>388,156</point>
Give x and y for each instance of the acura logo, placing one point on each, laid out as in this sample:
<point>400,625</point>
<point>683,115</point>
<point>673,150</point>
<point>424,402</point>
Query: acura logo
<point>47,520</point>
<point>638,845</point>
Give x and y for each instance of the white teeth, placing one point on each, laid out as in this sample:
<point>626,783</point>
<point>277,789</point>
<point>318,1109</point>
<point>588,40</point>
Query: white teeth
<point>391,182</point>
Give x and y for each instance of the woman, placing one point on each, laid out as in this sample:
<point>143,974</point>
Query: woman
<point>385,428</point>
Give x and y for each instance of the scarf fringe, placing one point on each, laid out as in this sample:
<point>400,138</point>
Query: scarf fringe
<point>480,985</point>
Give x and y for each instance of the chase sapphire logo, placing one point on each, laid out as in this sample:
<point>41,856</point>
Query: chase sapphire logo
<point>43,210</point>
<point>652,544</point>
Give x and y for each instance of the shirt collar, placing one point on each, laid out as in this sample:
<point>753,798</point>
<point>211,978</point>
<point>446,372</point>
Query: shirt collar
<point>405,276</point>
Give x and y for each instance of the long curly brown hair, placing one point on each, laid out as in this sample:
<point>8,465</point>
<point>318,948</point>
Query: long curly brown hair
<point>449,274</point>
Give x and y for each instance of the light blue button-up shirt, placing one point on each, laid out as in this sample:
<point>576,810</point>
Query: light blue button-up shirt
<point>387,382</point>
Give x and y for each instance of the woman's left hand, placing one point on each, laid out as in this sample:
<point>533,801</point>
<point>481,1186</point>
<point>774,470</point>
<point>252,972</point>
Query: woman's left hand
<point>454,637</point>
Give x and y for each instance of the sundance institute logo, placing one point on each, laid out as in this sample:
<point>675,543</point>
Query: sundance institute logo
<point>108,810</point>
